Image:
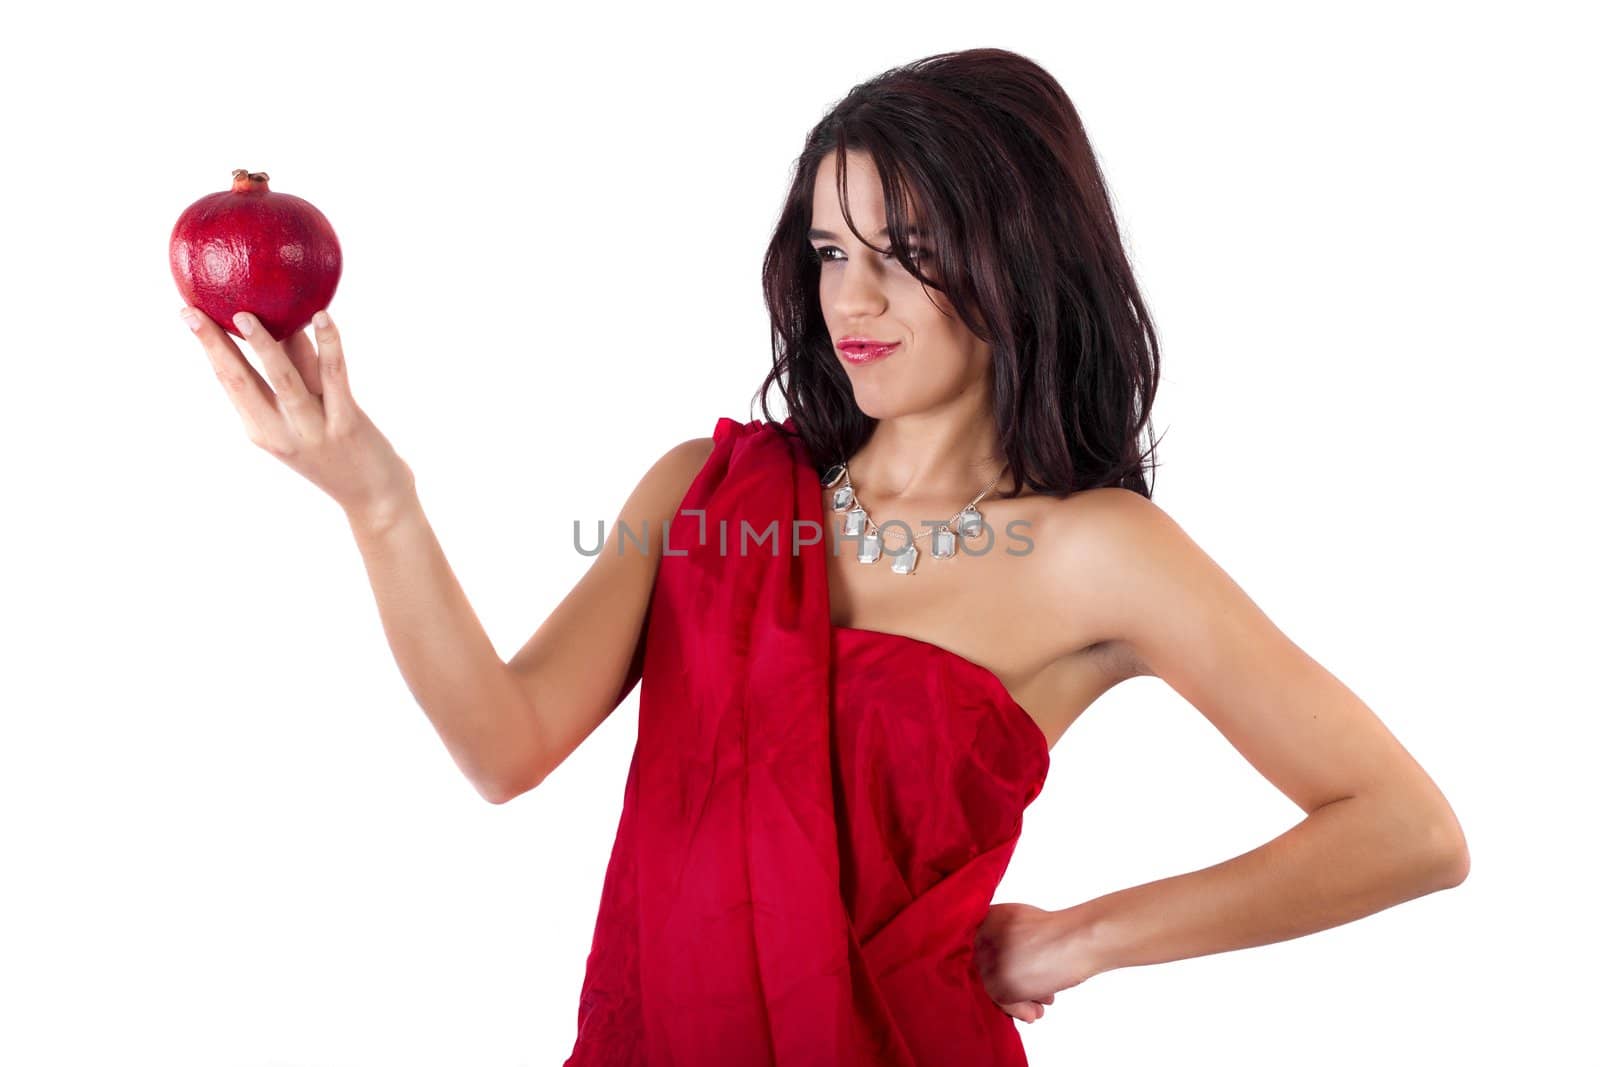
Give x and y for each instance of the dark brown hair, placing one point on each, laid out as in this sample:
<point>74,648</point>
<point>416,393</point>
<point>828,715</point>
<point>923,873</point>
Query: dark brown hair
<point>983,150</point>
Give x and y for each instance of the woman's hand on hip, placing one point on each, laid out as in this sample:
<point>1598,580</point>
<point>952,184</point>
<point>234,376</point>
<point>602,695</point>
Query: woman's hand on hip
<point>1018,952</point>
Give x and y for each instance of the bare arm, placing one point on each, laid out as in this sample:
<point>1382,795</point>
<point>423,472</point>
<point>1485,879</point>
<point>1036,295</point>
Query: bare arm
<point>441,648</point>
<point>589,654</point>
<point>1378,830</point>
<point>506,725</point>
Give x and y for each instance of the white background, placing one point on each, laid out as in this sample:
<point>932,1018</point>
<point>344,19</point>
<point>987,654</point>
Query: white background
<point>1366,235</point>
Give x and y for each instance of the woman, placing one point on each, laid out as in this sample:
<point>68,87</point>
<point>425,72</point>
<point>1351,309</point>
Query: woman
<point>833,758</point>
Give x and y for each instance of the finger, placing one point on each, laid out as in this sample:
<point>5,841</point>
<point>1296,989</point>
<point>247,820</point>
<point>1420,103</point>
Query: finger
<point>337,403</point>
<point>303,354</point>
<point>250,396</point>
<point>301,410</point>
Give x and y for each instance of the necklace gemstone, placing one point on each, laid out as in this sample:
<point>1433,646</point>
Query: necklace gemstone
<point>968,522</point>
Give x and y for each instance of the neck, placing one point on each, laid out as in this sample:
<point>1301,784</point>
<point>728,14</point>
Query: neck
<point>928,457</point>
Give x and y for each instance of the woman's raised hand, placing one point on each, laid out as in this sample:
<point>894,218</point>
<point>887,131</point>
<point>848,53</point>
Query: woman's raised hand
<point>303,413</point>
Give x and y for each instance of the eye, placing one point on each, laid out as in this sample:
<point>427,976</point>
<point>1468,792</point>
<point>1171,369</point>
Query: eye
<point>820,255</point>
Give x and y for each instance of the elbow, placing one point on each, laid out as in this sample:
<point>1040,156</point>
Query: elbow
<point>493,790</point>
<point>1451,859</point>
<point>498,792</point>
<point>510,786</point>
<point>1457,865</point>
<point>525,769</point>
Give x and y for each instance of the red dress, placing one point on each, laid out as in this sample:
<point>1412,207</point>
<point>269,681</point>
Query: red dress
<point>815,817</point>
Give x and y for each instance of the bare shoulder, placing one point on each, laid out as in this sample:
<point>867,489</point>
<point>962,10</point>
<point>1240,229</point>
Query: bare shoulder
<point>689,456</point>
<point>1102,548</point>
<point>1104,516</point>
<point>666,482</point>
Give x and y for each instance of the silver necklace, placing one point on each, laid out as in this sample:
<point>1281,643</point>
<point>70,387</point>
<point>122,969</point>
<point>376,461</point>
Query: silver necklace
<point>967,522</point>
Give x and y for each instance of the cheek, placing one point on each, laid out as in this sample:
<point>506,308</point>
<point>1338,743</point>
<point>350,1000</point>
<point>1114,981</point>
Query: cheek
<point>924,313</point>
<point>827,289</point>
<point>939,303</point>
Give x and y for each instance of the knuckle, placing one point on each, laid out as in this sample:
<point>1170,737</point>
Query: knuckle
<point>234,382</point>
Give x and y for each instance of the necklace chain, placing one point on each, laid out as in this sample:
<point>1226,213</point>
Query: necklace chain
<point>928,531</point>
<point>858,523</point>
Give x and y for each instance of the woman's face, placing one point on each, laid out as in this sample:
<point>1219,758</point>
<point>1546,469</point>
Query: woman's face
<point>864,294</point>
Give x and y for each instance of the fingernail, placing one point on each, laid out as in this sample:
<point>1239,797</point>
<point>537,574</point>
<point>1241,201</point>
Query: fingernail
<point>321,320</point>
<point>242,321</point>
<point>190,319</point>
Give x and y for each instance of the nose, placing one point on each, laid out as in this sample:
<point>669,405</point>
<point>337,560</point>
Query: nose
<point>858,295</point>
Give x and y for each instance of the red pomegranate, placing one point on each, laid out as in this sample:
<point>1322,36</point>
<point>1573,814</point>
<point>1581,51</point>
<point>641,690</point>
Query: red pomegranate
<point>251,249</point>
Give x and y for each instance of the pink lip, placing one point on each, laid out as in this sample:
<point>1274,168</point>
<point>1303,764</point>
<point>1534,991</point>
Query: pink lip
<point>859,352</point>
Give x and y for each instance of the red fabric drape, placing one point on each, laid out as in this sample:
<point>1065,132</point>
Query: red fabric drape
<point>815,817</point>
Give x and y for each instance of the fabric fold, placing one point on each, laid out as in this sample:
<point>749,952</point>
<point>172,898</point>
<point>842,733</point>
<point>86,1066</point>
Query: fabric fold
<point>724,933</point>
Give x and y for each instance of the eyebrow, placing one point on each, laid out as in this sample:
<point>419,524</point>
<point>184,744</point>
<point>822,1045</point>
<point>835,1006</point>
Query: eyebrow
<point>828,235</point>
